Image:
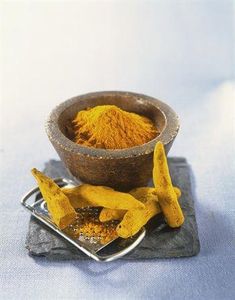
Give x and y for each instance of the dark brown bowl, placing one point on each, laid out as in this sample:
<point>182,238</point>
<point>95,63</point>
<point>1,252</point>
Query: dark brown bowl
<point>121,169</point>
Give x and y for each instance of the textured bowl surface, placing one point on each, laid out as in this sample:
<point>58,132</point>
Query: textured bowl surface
<point>122,169</point>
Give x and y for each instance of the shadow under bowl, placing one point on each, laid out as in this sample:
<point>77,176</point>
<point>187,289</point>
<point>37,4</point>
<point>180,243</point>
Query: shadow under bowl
<point>121,169</point>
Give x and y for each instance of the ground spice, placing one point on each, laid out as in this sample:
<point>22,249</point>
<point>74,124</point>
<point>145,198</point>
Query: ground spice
<point>89,226</point>
<point>104,233</point>
<point>110,127</point>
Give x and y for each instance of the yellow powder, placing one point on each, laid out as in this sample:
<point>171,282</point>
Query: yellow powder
<point>110,127</point>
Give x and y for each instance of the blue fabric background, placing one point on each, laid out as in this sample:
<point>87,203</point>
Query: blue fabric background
<point>178,51</point>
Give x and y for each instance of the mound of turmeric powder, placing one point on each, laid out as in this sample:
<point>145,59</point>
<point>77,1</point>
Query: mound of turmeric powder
<point>110,127</point>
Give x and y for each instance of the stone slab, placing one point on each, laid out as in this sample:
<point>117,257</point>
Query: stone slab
<point>160,241</point>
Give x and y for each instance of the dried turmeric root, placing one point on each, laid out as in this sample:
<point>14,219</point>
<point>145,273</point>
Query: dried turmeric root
<point>167,197</point>
<point>135,219</point>
<point>74,199</point>
<point>145,193</point>
<point>108,214</point>
<point>58,204</point>
<point>142,194</point>
<point>90,195</point>
<point>177,191</point>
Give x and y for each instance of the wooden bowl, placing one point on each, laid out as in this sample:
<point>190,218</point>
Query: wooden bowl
<point>122,169</point>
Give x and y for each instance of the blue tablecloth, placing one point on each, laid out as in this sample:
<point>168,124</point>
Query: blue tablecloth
<point>178,51</point>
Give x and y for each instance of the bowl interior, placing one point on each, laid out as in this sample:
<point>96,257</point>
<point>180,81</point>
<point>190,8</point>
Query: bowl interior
<point>126,102</point>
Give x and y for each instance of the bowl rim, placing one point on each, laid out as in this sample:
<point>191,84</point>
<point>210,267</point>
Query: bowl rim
<point>167,135</point>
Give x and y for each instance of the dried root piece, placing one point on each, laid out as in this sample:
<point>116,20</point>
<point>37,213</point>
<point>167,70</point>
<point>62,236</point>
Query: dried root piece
<point>177,191</point>
<point>167,197</point>
<point>135,219</point>
<point>145,193</point>
<point>108,214</point>
<point>102,196</point>
<point>58,204</point>
<point>142,194</point>
<point>74,198</point>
